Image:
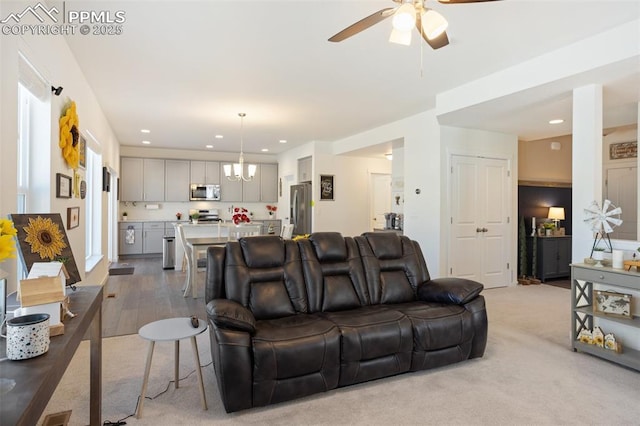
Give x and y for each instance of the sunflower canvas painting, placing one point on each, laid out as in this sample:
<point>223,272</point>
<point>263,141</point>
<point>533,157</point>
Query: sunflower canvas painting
<point>42,238</point>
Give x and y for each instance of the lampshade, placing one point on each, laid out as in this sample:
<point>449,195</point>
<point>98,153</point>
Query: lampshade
<point>433,24</point>
<point>556,213</point>
<point>400,37</point>
<point>405,17</point>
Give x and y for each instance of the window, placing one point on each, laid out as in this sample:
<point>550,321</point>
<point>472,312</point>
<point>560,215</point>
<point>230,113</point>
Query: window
<point>93,208</point>
<point>34,134</point>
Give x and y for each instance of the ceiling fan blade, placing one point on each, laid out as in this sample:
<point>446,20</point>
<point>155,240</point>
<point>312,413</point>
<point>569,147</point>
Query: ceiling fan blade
<point>441,41</point>
<point>363,24</point>
<point>463,1</point>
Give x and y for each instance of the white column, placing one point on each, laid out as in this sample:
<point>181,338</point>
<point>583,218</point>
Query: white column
<point>587,163</point>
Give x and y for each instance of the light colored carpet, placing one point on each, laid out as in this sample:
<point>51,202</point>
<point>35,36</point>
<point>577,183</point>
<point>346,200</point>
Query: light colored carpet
<point>529,375</point>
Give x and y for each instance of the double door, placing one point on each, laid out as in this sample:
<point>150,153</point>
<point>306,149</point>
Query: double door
<point>479,244</point>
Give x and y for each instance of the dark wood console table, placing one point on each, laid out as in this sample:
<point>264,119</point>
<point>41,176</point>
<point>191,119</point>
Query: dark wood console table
<point>37,378</point>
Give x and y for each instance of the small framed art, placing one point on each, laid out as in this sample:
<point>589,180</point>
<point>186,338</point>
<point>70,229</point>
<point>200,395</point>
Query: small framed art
<point>612,303</point>
<point>82,152</point>
<point>63,186</point>
<point>327,190</point>
<point>73,217</point>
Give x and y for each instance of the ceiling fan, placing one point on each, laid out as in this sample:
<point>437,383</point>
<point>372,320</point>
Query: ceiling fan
<point>429,23</point>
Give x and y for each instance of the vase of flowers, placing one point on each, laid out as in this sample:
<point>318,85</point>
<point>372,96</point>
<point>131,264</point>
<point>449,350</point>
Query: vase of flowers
<point>271,210</point>
<point>241,215</point>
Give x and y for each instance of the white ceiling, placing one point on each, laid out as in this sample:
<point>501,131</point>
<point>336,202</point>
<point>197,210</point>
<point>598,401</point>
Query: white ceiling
<point>185,69</point>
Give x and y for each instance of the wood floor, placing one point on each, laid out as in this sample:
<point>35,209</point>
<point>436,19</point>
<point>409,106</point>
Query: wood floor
<point>150,294</point>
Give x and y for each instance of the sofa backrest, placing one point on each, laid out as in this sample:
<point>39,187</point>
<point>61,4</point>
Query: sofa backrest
<point>394,266</point>
<point>264,274</point>
<point>333,272</point>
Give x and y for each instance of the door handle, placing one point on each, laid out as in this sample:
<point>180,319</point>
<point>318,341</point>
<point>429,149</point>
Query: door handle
<point>478,229</point>
<point>485,230</point>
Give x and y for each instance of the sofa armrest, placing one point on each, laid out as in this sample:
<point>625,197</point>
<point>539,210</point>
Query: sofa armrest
<point>449,290</point>
<point>229,314</point>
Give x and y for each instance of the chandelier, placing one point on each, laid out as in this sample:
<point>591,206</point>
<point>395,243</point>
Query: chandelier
<point>238,168</point>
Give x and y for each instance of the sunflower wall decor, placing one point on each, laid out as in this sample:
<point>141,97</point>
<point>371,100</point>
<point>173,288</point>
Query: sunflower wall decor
<point>70,136</point>
<point>42,238</point>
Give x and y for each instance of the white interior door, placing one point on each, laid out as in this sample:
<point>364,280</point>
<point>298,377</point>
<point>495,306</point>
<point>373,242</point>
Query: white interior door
<point>622,189</point>
<point>380,199</point>
<point>479,242</point>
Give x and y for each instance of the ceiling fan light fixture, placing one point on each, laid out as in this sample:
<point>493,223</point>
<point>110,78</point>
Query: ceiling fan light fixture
<point>400,37</point>
<point>433,24</point>
<point>405,17</point>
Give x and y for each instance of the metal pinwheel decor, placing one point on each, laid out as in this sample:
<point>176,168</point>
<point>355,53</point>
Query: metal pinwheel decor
<point>602,221</point>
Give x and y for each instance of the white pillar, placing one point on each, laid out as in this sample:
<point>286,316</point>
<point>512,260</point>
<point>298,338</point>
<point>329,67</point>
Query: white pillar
<point>587,163</point>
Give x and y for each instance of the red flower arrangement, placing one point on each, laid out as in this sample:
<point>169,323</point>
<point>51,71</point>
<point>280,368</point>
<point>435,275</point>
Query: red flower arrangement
<point>272,209</point>
<point>240,215</point>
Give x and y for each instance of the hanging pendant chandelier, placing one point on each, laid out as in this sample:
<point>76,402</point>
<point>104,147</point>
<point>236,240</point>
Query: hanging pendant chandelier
<point>238,168</point>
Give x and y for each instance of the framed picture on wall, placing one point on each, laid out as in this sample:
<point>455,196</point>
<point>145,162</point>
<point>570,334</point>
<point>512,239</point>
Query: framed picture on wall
<point>82,154</point>
<point>63,186</point>
<point>327,189</point>
<point>73,217</point>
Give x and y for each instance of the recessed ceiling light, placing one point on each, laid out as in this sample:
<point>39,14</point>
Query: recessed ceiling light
<point>145,131</point>
<point>209,146</point>
<point>556,121</point>
<point>146,142</point>
<point>219,136</point>
<point>265,150</point>
<point>282,141</point>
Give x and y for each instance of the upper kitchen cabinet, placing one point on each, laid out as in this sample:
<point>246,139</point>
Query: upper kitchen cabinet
<point>131,176</point>
<point>262,188</point>
<point>304,169</point>
<point>142,179</point>
<point>230,190</point>
<point>269,183</point>
<point>207,172</point>
<point>176,182</point>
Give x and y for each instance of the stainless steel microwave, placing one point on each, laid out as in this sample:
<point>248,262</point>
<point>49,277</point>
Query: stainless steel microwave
<point>204,192</point>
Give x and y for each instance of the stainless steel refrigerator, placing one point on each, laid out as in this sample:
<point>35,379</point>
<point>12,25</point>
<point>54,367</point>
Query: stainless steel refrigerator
<point>300,211</point>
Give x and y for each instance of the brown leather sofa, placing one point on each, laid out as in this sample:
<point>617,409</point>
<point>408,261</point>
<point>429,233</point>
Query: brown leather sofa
<point>289,319</point>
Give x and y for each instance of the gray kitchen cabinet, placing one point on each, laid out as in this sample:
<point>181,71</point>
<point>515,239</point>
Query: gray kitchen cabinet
<point>251,189</point>
<point>207,172</point>
<point>269,183</point>
<point>153,179</point>
<point>152,233</point>
<point>170,229</point>
<point>176,180</point>
<point>142,179</point>
<point>131,176</point>
<point>230,190</point>
<point>305,169</point>
<point>129,238</point>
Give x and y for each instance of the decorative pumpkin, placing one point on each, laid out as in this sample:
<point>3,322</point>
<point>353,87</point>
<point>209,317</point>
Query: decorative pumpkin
<point>69,136</point>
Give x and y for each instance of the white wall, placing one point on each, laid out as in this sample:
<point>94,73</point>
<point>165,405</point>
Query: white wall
<point>349,212</point>
<point>53,59</point>
<point>421,135</point>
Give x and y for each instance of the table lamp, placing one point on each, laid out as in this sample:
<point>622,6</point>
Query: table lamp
<point>556,214</point>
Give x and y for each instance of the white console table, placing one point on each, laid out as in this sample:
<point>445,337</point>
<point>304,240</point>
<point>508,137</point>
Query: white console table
<point>583,278</point>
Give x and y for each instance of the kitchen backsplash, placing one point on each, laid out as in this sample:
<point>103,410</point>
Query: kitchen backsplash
<point>167,211</point>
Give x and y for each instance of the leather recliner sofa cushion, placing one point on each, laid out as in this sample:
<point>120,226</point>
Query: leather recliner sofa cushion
<point>376,342</point>
<point>294,356</point>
